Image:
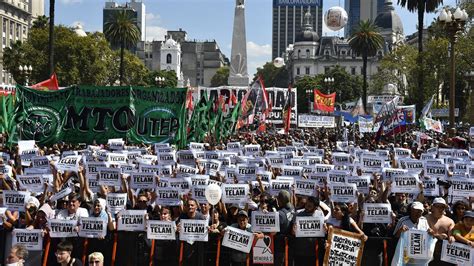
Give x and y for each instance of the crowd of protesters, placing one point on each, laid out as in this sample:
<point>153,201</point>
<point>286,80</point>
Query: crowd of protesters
<point>444,216</point>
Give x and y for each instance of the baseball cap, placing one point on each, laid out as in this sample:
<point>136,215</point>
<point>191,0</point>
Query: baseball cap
<point>469,214</point>
<point>439,201</point>
<point>244,213</point>
<point>417,206</point>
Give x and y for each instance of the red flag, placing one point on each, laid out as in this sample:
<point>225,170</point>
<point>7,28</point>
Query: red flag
<point>324,102</point>
<point>233,99</point>
<point>49,84</point>
<point>189,100</point>
<point>286,111</point>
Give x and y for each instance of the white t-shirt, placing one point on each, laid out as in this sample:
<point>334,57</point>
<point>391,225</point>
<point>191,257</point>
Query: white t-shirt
<point>65,215</point>
<point>405,220</point>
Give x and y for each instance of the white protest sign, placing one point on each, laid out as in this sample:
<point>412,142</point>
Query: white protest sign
<point>237,239</point>
<point>32,183</point>
<point>305,187</point>
<point>168,197</point>
<point>116,202</point>
<point>436,170</point>
<point>407,183</point>
<point>166,158</point>
<point>362,182</point>
<point>308,226</point>
<point>41,162</point>
<point>276,185</point>
<point>193,230</point>
<point>461,187</point>
<point>142,180</point>
<point>389,173</point>
<point>374,164</point>
<point>31,239</point>
<point>341,192</point>
<point>323,168</point>
<point>291,170</point>
<point>116,144</point>
<point>377,213</point>
<point>182,169</point>
<point>265,222</point>
<point>345,248</point>
<point>149,169</point>
<point>92,168</point>
<point>61,194</point>
<point>183,184</point>
<point>339,158</point>
<point>457,253</point>
<point>15,200</point>
<point>24,145</point>
<point>186,157</point>
<point>199,193</point>
<point>402,153</point>
<point>116,158</point>
<point>234,193</point>
<point>196,146</point>
<point>161,230</point>
<point>27,155</point>
<point>69,163</point>
<point>92,227</point>
<point>337,176</point>
<point>233,146</point>
<point>62,228</point>
<point>131,220</point>
<point>251,149</point>
<point>110,176</point>
<point>417,244</point>
<point>199,180</point>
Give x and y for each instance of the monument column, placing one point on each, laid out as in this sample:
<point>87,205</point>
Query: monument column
<point>238,75</point>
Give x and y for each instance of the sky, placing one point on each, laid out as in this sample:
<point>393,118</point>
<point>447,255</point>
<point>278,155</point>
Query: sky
<point>208,20</point>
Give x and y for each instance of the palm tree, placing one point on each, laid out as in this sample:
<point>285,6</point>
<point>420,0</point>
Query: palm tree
<point>420,6</point>
<point>365,41</point>
<point>41,22</point>
<point>52,3</point>
<point>121,29</point>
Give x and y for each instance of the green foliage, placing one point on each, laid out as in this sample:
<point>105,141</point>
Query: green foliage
<point>40,22</point>
<point>273,76</point>
<point>7,121</point>
<point>221,77</point>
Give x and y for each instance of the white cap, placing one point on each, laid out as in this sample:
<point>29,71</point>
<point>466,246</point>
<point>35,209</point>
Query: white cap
<point>417,206</point>
<point>439,201</point>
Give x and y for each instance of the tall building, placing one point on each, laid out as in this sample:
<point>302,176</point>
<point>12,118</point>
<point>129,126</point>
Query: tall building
<point>287,21</point>
<point>135,7</point>
<point>16,17</point>
<point>358,10</point>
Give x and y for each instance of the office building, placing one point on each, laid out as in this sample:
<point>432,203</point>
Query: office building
<point>16,17</point>
<point>358,10</point>
<point>287,21</point>
<point>137,10</point>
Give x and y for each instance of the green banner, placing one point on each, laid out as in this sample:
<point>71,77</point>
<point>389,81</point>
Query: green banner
<point>84,114</point>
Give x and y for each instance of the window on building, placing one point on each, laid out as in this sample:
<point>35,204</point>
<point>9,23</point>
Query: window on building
<point>327,69</point>
<point>5,26</point>
<point>168,58</point>
<point>343,52</point>
<point>326,52</point>
<point>18,31</point>
<point>298,71</point>
<point>299,53</point>
<point>307,53</point>
<point>12,25</point>
<point>353,71</point>
<point>307,70</point>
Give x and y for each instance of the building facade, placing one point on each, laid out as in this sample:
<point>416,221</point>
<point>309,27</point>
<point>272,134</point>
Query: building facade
<point>358,10</point>
<point>16,17</point>
<point>137,10</point>
<point>287,21</point>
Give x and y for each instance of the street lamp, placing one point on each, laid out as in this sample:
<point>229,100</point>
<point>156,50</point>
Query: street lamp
<point>454,24</point>
<point>160,81</point>
<point>309,95</point>
<point>328,81</point>
<point>26,71</point>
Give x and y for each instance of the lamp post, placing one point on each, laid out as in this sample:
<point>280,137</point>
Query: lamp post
<point>160,81</point>
<point>26,71</point>
<point>454,24</point>
<point>329,81</point>
<point>309,95</point>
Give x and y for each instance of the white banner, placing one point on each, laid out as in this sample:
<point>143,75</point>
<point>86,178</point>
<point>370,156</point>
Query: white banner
<point>377,213</point>
<point>193,230</point>
<point>92,227</point>
<point>457,253</point>
<point>265,222</point>
<point>131,220</point>
<point>343,192</point>
<point>316,121</point>
<point>15,200</point>
<point>62,228</point>
<point>31,239</point>
<point>418,246</point>
<point>308,226</point>
<point>237,239</point>
<point>161,230</point>
<point>116,202</point>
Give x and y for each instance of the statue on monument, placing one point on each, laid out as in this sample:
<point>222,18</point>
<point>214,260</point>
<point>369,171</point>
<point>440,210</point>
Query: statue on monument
<point>238,75</point>
<point>240,2</point>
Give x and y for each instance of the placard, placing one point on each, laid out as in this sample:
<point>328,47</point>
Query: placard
<point>15,200</point>
<point>62,228</point>
<point>32,183</point>
<point>186,157</point>
<point>276,185</point>
<point>362,183</point>
<point>436,170</point>
<point>343,192</point>
<point>418,246</point>
<point>116,202</point>
<point>377,213</point>
<point>193,230</point>
<point>161,230</point>
<point>457,253</point>
<point>345,248</point>
<point>407,183</point>
<point>69,163</point>
<point>291,170</point>
<point>308,226</point>
<point>337,176</point>
<point>265,222</point>
<point>198,193</point>
<point>92,227</point>
<point>183,184</point>
<point>402,153</point>
<point>430,187</point>
<point>41,162</point>
<point>237,239</point>
<point>131,220</point>
<point>316,121</point>
<point>110,176</point>
<point>168,197</point>
<point>305,187</point>
<point>341,158</point>
<point>463,187</point>
<point>234,193</point>
<point>263,250</point>
<point>372,163</point>
<point>32,240</point>
<point>142,180</point>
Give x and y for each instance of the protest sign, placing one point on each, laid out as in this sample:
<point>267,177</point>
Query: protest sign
<point>168,196</point>
<point>265,222</point>
<point>305,187</point>
<point>116,144</point>
<point>182,169</point>
<point>69,163</point>
<point>316,121</point>
<point>116,202</point>
<point>337,176</point>
<point>237,239</point>
<point>62,193</point>
<point>233,146</point>
<point>199,193</point>
<point>291,170</point>
<point>263,250</point>
<point>41,162</point>
<point>131,220</point>
<point>463,187</point>
<point>62,228</point>
<point>402,153</point>
<point>406,183</point>
<point>27,155</point>
<point>418,246</point>
<point>166,158</point>
<point>436,170</point>
<point>193,230</point>
<point>30,239</point>
<point>389,173</point>
<point>15,200</point>
<point>142,180</point>
<point>92,227</point>
<point>280,184</point>
<point>457,253</point>
<point>234,193</point>
<point>110,176</point>
<point>339,158</point>
<point>186,157</point>
<point>345,248</point>
<point>308,226</point>
<point>430,187</point>
<point>212,167</point>
<point>32,183</point>
<point>372,163</point>
<point>116,158</point>
<point>377,213</point>
<point>183,184</point>
<point>92,168</point>
<point>341,192</point>
<point>252,149</point>
<point>161,230</point>
<point>362,182</point>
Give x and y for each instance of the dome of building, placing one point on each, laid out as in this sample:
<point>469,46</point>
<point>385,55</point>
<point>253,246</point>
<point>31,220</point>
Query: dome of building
<point>388,19</point>
<point>308,34</point>
<point>170,42</point>
<point>79,30</point>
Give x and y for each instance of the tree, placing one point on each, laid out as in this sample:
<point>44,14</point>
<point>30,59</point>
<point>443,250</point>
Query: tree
<point>420,6</point>
<point>272,76</point>
<point>52,3</point>
<point>121,29</point>
<point>221,77</point>
<point>365,41</point>
<point>303,84</point>
<point>171,80</point>
<point>40,22</point>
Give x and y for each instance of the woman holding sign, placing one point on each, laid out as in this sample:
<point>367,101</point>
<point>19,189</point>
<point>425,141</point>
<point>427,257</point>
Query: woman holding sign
<point>340,218</point>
